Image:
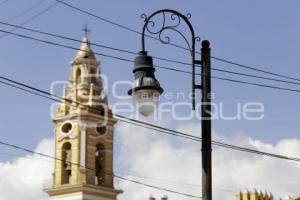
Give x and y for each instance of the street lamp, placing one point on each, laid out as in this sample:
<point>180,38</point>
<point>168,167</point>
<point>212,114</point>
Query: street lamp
<point>146,89</point>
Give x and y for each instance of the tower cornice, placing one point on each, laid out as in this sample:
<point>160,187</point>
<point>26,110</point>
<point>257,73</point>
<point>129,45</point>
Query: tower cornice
<point>86,117</point>
<point>84,189</point>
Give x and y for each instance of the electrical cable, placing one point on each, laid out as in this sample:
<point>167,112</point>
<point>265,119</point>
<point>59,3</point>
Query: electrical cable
<point>159,58</point>
<point>140,123</point>
<point>134,31</point>
<point>162,67</point>
<point>23,12</point>
<point>32,18</point>
<point>92,169</point>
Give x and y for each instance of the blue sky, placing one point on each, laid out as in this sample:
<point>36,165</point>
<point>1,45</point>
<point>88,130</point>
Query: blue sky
<point>264,34</point>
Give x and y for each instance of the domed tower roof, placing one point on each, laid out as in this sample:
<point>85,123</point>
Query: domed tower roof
<point>85,50</point>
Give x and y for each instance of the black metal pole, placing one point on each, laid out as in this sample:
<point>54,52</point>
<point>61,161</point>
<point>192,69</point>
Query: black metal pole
<point>205,86</point>
<point>206,122</point>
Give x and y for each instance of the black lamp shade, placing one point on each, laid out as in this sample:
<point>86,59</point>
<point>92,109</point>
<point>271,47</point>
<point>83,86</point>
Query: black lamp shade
<point>144,74</point>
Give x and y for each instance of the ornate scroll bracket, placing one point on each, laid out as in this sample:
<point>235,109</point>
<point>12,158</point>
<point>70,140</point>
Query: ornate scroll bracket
<point>170,21</point>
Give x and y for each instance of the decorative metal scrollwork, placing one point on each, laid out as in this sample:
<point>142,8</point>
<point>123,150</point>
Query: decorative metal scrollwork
<point>170,21</point>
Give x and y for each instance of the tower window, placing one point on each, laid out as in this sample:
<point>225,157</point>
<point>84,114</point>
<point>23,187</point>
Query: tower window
<point>101,129</point>
<point>100,165</point>
<point>66,127</point>
<point>93,75</point>
<point>93,71</point>
<point>78,75</point>
<point>66,166</point>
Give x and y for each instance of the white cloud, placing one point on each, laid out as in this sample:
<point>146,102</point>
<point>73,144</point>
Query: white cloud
<point>25,177</point>
<point>155,156</point>
<point>164,161</point>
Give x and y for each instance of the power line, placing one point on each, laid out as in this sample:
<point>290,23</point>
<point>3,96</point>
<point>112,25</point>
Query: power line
<point>256,84</point>
<point>187,135</point>
<point>25,11</point>
<point>215,143</point>
<point>140,123</point>
<point>97,17</point>
<point>255,76</point>
<point>19,156</point>
<point>162,67</point>
<point>159,58</point>
<point>255,69</point>
<point>127,174</point>
<point>176,182</point>
<point>141,183</point>
<point>49,96</point>
<point>194,196</point>
<point>178,46</point>
<point>95,44</point>
<point>92,169</point>
<point>151,125</point>
<point>33,17</point>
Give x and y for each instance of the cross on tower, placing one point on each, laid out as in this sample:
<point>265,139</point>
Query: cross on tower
<point>86,30</point>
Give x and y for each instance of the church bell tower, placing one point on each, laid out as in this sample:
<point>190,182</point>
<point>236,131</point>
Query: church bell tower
<point>83,129</point>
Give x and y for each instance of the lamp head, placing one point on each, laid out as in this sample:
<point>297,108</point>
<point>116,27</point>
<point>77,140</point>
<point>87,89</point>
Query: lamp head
<point>146,89</point>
